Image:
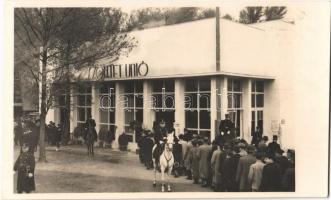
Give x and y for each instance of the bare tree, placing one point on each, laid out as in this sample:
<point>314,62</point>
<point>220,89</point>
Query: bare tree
<point>56,37</point>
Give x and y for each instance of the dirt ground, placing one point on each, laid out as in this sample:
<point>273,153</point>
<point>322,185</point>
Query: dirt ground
<point>71,170</point>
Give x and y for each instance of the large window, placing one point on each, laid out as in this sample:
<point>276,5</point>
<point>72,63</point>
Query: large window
<point>163,100</point>
<point>257,104</point>
<point>107,106</point>
<point>133,106</point>
<point>197,106</point>
<point>235,103</point>
<point>84,99</point>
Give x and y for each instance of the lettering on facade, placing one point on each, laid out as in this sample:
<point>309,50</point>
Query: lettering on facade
<point>118,71</point>
<point>126,70</point>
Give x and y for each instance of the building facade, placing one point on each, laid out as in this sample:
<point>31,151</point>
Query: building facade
<point>173,74</point>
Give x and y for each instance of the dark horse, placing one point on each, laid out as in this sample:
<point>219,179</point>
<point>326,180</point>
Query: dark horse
<point>90,136</point>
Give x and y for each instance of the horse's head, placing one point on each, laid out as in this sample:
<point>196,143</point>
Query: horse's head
<point>169,141</point>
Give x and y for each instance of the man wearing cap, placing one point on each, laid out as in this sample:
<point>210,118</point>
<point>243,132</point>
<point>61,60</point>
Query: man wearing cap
<point>243,169</point>
<point>204,165</point>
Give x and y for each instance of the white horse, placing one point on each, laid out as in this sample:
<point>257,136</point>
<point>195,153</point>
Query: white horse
<point>166,161</point>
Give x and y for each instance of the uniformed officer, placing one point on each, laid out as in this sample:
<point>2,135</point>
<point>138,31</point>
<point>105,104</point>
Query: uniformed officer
<point>226,129</point>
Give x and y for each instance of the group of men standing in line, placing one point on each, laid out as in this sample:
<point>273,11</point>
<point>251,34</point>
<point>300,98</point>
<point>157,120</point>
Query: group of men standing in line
<point>228,163</point>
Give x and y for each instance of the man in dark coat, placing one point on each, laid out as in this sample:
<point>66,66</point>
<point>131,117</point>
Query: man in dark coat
<point>229,170</point>
<point>256,136</point>
<point>224,168</point>
<point>25,165</point>
<point>141,145</point>
<point>273,146</point>
<point>149,143</point>
<point>123,141</point>
<point>281,160</point>
<point>271,176</point>
<point>177,152</point>
<point>160,131</point>
<point>58,137</point>
<point>226,130</point>
<point>288,180</point>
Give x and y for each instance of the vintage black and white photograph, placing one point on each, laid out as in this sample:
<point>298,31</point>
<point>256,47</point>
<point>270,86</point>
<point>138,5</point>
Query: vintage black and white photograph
<point>167,99</point>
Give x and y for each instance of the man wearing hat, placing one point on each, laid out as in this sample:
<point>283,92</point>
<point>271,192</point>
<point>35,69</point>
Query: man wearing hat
<point>149,143</point>
<point>204,165</point>
<point>243,169</point>
<point>273,146</point>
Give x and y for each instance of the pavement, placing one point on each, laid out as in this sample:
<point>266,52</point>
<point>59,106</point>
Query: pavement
<point>70,170</point>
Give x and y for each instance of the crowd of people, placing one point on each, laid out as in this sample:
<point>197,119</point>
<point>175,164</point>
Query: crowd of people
<point>226,164</point>
<point>231,165</point>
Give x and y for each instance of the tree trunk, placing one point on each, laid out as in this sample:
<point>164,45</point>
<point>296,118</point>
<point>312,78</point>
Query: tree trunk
<point>66,128</point>
<point>42,149</point>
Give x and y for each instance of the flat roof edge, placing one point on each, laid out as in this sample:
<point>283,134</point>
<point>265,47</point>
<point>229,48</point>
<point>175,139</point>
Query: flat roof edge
<point>221,73</point>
